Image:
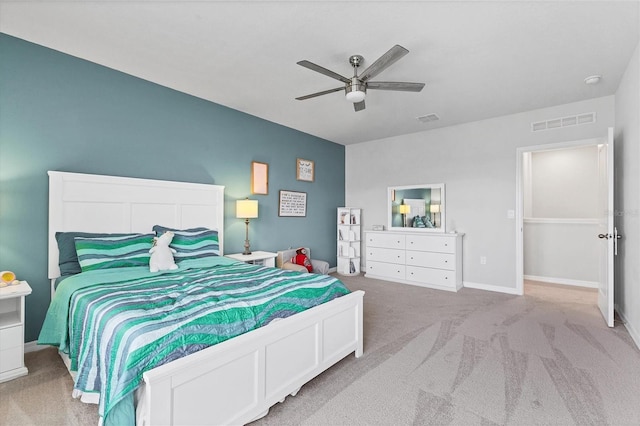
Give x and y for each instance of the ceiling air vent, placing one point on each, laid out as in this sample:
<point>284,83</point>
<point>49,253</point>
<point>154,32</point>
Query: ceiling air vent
<point>429,118</point>
<point>558,123</point>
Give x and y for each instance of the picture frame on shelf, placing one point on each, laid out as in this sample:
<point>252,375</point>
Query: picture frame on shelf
<point>259,178</point>
<point>292,204</point>
<point>305,170</point>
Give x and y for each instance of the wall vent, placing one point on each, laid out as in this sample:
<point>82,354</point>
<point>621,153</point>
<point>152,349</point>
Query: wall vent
<point>429,118</point>
<point>558,123</point>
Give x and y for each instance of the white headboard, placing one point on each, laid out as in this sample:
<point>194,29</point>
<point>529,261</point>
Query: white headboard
<point>95,203</point>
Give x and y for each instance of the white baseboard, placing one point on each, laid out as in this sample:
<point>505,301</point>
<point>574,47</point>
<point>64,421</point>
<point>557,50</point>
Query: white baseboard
<point>488,287</point>
<point>635,335</point>
<point>34,346</point>
<point>563,281</point>
<point>332,270</point>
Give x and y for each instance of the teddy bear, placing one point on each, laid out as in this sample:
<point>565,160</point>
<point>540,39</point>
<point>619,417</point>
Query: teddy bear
<point>162,254</point>
<point>301,259</point>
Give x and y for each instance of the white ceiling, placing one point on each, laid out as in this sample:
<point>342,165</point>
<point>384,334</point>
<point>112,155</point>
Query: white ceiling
<point>478,59</point>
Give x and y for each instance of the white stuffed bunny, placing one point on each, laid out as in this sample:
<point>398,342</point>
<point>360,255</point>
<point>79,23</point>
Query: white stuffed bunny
<point>162,254</point>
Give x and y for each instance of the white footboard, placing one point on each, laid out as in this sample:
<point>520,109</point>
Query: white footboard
<point>237,381</point>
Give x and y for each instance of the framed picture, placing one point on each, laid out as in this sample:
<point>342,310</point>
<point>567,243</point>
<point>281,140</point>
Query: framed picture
<point>304,170</point>
<point>292,203</point>
<point>259,178</point>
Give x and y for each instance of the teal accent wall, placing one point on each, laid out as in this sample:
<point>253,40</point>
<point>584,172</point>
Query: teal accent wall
<point>58,112</point>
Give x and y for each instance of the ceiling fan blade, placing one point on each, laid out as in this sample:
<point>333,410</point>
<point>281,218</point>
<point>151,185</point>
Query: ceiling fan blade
<point>384,61</point>
<point>322,70</point>
<point>395,85</point>
<point>358,106</point>
<point>324,92</point>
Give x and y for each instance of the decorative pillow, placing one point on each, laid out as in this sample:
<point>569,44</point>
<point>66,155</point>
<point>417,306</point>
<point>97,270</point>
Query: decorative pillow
<point>192,243</point>
<point>114,251</point>
<point>67,255</point>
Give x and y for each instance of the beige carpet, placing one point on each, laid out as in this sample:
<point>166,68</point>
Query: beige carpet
<point>431,357</point>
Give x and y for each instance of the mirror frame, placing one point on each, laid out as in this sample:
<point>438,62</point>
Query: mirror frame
<point>391,199</point>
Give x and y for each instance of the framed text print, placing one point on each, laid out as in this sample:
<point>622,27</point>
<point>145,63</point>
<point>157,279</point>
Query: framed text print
<point>304,170</point>
<point>292,203</point>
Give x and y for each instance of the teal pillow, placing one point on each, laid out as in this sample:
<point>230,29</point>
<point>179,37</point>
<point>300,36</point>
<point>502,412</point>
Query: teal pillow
<point>113,251</point>
<point>192,243</point>
<point>67,256</point>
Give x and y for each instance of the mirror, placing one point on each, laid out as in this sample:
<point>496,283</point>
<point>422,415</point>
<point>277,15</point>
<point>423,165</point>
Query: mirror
<point>416,208</point>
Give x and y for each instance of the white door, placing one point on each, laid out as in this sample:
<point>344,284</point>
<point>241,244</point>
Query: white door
<point>606,229</point>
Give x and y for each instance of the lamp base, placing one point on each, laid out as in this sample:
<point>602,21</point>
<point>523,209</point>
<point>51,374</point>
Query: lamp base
<point>247,250</point>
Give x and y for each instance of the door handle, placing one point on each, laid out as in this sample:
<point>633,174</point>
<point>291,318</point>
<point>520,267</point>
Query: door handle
<point>606,236</point>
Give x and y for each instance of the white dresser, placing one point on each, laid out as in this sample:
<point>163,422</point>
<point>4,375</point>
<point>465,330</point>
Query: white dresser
<point>425,259</point>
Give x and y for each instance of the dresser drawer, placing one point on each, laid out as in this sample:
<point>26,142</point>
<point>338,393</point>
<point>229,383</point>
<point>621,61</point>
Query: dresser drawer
<point>387,270</point>
<point>431,259</point>
<point>386,240</point>
<point>378,254</point>
<point>441,244</point>
<point>11,337</point>
<point>439,277</point>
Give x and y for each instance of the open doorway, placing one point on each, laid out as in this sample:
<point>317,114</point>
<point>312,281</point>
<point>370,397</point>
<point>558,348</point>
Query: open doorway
<point>558,217</point>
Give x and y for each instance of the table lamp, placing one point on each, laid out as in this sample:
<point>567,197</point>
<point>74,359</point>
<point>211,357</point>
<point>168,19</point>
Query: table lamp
<point>246,209</point>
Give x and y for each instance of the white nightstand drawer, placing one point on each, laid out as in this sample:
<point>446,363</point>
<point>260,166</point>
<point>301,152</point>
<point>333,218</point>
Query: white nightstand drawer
<point>11,337</point>
<point>439,277</point>
<point>10,359</point>
<point>378,254</point>
<point>431,260</point>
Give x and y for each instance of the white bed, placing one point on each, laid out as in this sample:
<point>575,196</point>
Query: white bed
<point>233,382</point>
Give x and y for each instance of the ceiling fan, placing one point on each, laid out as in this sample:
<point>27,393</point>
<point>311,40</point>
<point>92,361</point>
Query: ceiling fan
<point>355,88</point>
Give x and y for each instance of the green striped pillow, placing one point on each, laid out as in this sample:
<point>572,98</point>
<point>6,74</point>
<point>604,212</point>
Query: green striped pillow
<point>192,243</point>
<point>113,251</point>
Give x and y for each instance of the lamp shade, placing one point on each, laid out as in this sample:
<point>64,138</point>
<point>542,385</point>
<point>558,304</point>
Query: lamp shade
<point>247,209</point>
<point>434,208</point>
<point>404,208</point>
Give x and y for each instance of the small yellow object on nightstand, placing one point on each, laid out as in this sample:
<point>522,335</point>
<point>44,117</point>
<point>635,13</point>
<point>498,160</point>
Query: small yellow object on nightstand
<point>7,278</point>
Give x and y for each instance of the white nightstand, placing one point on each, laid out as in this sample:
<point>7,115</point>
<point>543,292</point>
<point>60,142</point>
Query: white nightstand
<point>12,331</point>
<point>264,258</point>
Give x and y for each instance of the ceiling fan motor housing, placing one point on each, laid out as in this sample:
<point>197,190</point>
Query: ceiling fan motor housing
<point>355,91</point>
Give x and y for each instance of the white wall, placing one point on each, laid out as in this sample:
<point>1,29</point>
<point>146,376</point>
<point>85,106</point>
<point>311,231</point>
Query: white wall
<point>627,157</point>
<point>477,163</point>
<point>564,183</point>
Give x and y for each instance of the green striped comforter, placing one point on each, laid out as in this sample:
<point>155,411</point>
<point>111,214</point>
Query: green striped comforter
<point>117,323</point>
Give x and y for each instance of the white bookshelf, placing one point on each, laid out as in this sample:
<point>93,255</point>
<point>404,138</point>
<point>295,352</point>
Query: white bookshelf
<point>348,230</point>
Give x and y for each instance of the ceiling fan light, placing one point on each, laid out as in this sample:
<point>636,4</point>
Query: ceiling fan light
<point>355,96</point>
<point>356,91</point>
